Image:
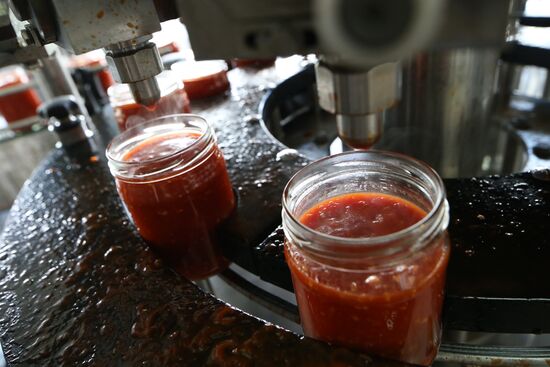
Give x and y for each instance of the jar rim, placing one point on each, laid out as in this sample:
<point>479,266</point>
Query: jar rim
<point>125,135</point>
<point>191,70</point>
<point>439,202</point>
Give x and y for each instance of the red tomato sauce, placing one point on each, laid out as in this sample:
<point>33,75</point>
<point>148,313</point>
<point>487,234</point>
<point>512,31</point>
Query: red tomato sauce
<point>18,105</point>
<point>105,78</point>
<point>252,63</point>
<point>179,213</point>
<point>207,86</point>
<point>393,310</point>
<point>362,215</point>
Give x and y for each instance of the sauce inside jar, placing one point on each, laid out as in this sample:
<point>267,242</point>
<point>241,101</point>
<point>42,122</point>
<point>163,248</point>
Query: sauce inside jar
<point>19,100</point>
<point>178,211</point>
<point>393,311</point>
<point>362,215</point>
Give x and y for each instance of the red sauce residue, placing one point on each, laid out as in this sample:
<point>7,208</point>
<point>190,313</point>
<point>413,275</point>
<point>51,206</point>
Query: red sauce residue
<point>393,311</point>
<point>179,213</point>
<point>106,78</point>
<point>133,114</point>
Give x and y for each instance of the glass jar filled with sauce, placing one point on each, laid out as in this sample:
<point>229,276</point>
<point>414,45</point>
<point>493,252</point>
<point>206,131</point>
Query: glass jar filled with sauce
<point>203,78</point>
<point>367,247</point>
<point>173,181</point>
<point>19,98</point>
<point>129,113</point>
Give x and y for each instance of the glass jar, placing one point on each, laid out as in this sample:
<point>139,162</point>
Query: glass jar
<point>19,98</point>
<point>172,179</point>
<point>128,113</point>
<point>203,78</point>
<point>381,294</point>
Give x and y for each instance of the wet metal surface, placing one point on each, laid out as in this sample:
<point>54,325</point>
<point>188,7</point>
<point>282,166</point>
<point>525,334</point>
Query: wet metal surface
<point>78,286</point>
<point>498,229</point>
<point>500,254</point>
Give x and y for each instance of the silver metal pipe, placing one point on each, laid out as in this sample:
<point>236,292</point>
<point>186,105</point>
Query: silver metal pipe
<point>57,81</point>
<point>137,63</point>
<point>57,78</point>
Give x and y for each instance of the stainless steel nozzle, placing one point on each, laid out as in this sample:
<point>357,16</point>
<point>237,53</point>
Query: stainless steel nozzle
<point>137,63</point>
<point>146,92</point>
<point>358,98</point>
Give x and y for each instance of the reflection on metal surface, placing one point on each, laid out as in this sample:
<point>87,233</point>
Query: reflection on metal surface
<point>472,338</point>
<point>499,152</point>
<point>466,355</point>
<point>491,349</point>
<point>3,362</point>
<point>249,293</point>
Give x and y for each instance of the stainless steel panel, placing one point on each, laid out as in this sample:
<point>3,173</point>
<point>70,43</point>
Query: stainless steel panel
<point>89,25</point>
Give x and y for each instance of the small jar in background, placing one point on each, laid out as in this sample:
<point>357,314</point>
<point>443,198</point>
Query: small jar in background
<point>19,98</point>
<point>94,61</point>
<point>128,113</point>
<point>203,78</point>
<point>172,178</point>
<point>367,246</point>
